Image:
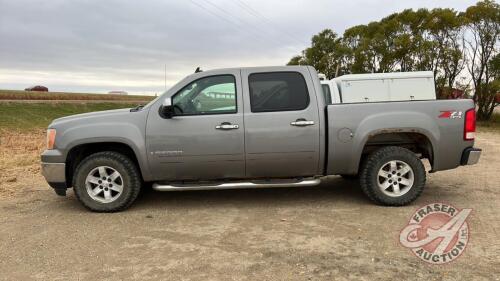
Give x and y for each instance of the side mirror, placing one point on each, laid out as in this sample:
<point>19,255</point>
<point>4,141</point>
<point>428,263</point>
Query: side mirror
<point>166,109</point>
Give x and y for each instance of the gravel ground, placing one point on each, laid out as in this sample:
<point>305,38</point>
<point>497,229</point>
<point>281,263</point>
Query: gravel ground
<point>331,232</point>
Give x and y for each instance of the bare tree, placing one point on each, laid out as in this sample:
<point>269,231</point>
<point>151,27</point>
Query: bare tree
<point>481,38</point>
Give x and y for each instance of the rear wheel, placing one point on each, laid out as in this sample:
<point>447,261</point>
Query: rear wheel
<point>392,176</point>
<point>107,182</point>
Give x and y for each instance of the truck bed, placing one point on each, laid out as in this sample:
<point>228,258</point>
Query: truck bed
<point>352,126</point>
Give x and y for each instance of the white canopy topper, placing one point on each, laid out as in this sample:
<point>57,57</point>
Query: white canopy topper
<point>379,87</point>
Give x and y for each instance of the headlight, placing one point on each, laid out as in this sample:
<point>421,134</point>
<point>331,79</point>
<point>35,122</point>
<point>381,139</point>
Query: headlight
<point>51,138</point>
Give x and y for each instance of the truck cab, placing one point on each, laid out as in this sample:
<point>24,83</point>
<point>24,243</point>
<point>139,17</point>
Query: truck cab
<point>243,121</point>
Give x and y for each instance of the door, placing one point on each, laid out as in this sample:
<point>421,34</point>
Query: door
<point>282,133</point>
<point>205,138</point>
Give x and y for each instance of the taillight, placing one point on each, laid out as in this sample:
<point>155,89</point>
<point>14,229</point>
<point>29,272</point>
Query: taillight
<point>470,125</point>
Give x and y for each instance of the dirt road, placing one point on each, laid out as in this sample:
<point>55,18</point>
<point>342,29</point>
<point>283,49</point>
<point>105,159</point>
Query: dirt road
<point>331,232</point>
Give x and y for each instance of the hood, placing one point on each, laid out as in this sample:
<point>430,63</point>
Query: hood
<point>91,116</point>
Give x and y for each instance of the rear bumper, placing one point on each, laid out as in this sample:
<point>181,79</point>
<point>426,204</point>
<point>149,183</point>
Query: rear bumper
<point>470,156</point>
<point>55,175</point>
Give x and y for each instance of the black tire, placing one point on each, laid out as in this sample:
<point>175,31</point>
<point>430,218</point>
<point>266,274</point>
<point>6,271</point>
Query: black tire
<point>373,163</point>
<point>132,181</point>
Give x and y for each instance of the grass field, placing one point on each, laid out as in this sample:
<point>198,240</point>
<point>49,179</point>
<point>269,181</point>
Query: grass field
<point>32,116</point>
<point>30,95</point>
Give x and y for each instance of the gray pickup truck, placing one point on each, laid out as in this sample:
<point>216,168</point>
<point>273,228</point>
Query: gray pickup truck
<point>255,127</point>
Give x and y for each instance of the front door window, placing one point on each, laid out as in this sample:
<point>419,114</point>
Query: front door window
<point>208,95</point>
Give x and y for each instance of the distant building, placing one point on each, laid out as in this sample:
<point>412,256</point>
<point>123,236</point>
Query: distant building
<point>37,88</point>
<point>123,93</point>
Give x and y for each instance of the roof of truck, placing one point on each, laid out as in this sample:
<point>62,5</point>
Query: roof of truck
<point>254,68</point>
<point>270,68</point>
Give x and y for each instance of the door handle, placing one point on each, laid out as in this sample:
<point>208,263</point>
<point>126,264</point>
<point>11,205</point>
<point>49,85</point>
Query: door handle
<point>301,122</point>
<point>227,126</point>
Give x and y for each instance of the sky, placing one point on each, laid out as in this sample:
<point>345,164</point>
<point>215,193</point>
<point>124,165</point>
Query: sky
<point>144,47</point>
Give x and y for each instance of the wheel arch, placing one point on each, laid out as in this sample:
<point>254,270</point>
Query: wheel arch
<point>78,152</point>
<point>417,140</point>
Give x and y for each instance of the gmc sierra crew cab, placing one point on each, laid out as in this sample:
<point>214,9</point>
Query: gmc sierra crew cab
<point>256,127</point>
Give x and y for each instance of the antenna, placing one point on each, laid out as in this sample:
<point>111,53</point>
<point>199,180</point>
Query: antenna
<point>165,77</point>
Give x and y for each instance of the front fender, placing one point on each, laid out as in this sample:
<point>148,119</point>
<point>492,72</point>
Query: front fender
<point>124,133</point>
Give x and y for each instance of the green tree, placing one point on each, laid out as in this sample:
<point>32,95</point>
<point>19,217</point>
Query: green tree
<point>371,46</point>
<point>445,30</point>
<point>495,67</point>
<point>297,60</point>
<point>325,54</point>
<point>355,40</point>
<point>495,74</point>
<point>444,48</point>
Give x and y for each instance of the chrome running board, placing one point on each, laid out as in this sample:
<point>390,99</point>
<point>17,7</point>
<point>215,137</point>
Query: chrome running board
<point>236,185</point>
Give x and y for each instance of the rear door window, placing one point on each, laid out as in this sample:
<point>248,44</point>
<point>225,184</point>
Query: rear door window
<point>277,91</point>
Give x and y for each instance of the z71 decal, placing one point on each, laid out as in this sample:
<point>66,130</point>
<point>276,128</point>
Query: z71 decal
<point>450,114</point>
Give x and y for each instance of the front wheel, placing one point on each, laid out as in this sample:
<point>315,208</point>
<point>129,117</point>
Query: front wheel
<point>107,182</point>
<point>392,176</point>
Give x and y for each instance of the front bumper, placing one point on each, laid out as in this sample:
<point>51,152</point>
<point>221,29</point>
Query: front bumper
<point>55,175</point>
<point>470,156</point>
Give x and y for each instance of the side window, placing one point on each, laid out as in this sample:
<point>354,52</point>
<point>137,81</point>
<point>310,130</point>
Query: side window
<point>208,95</point>
<point>277,91</point>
